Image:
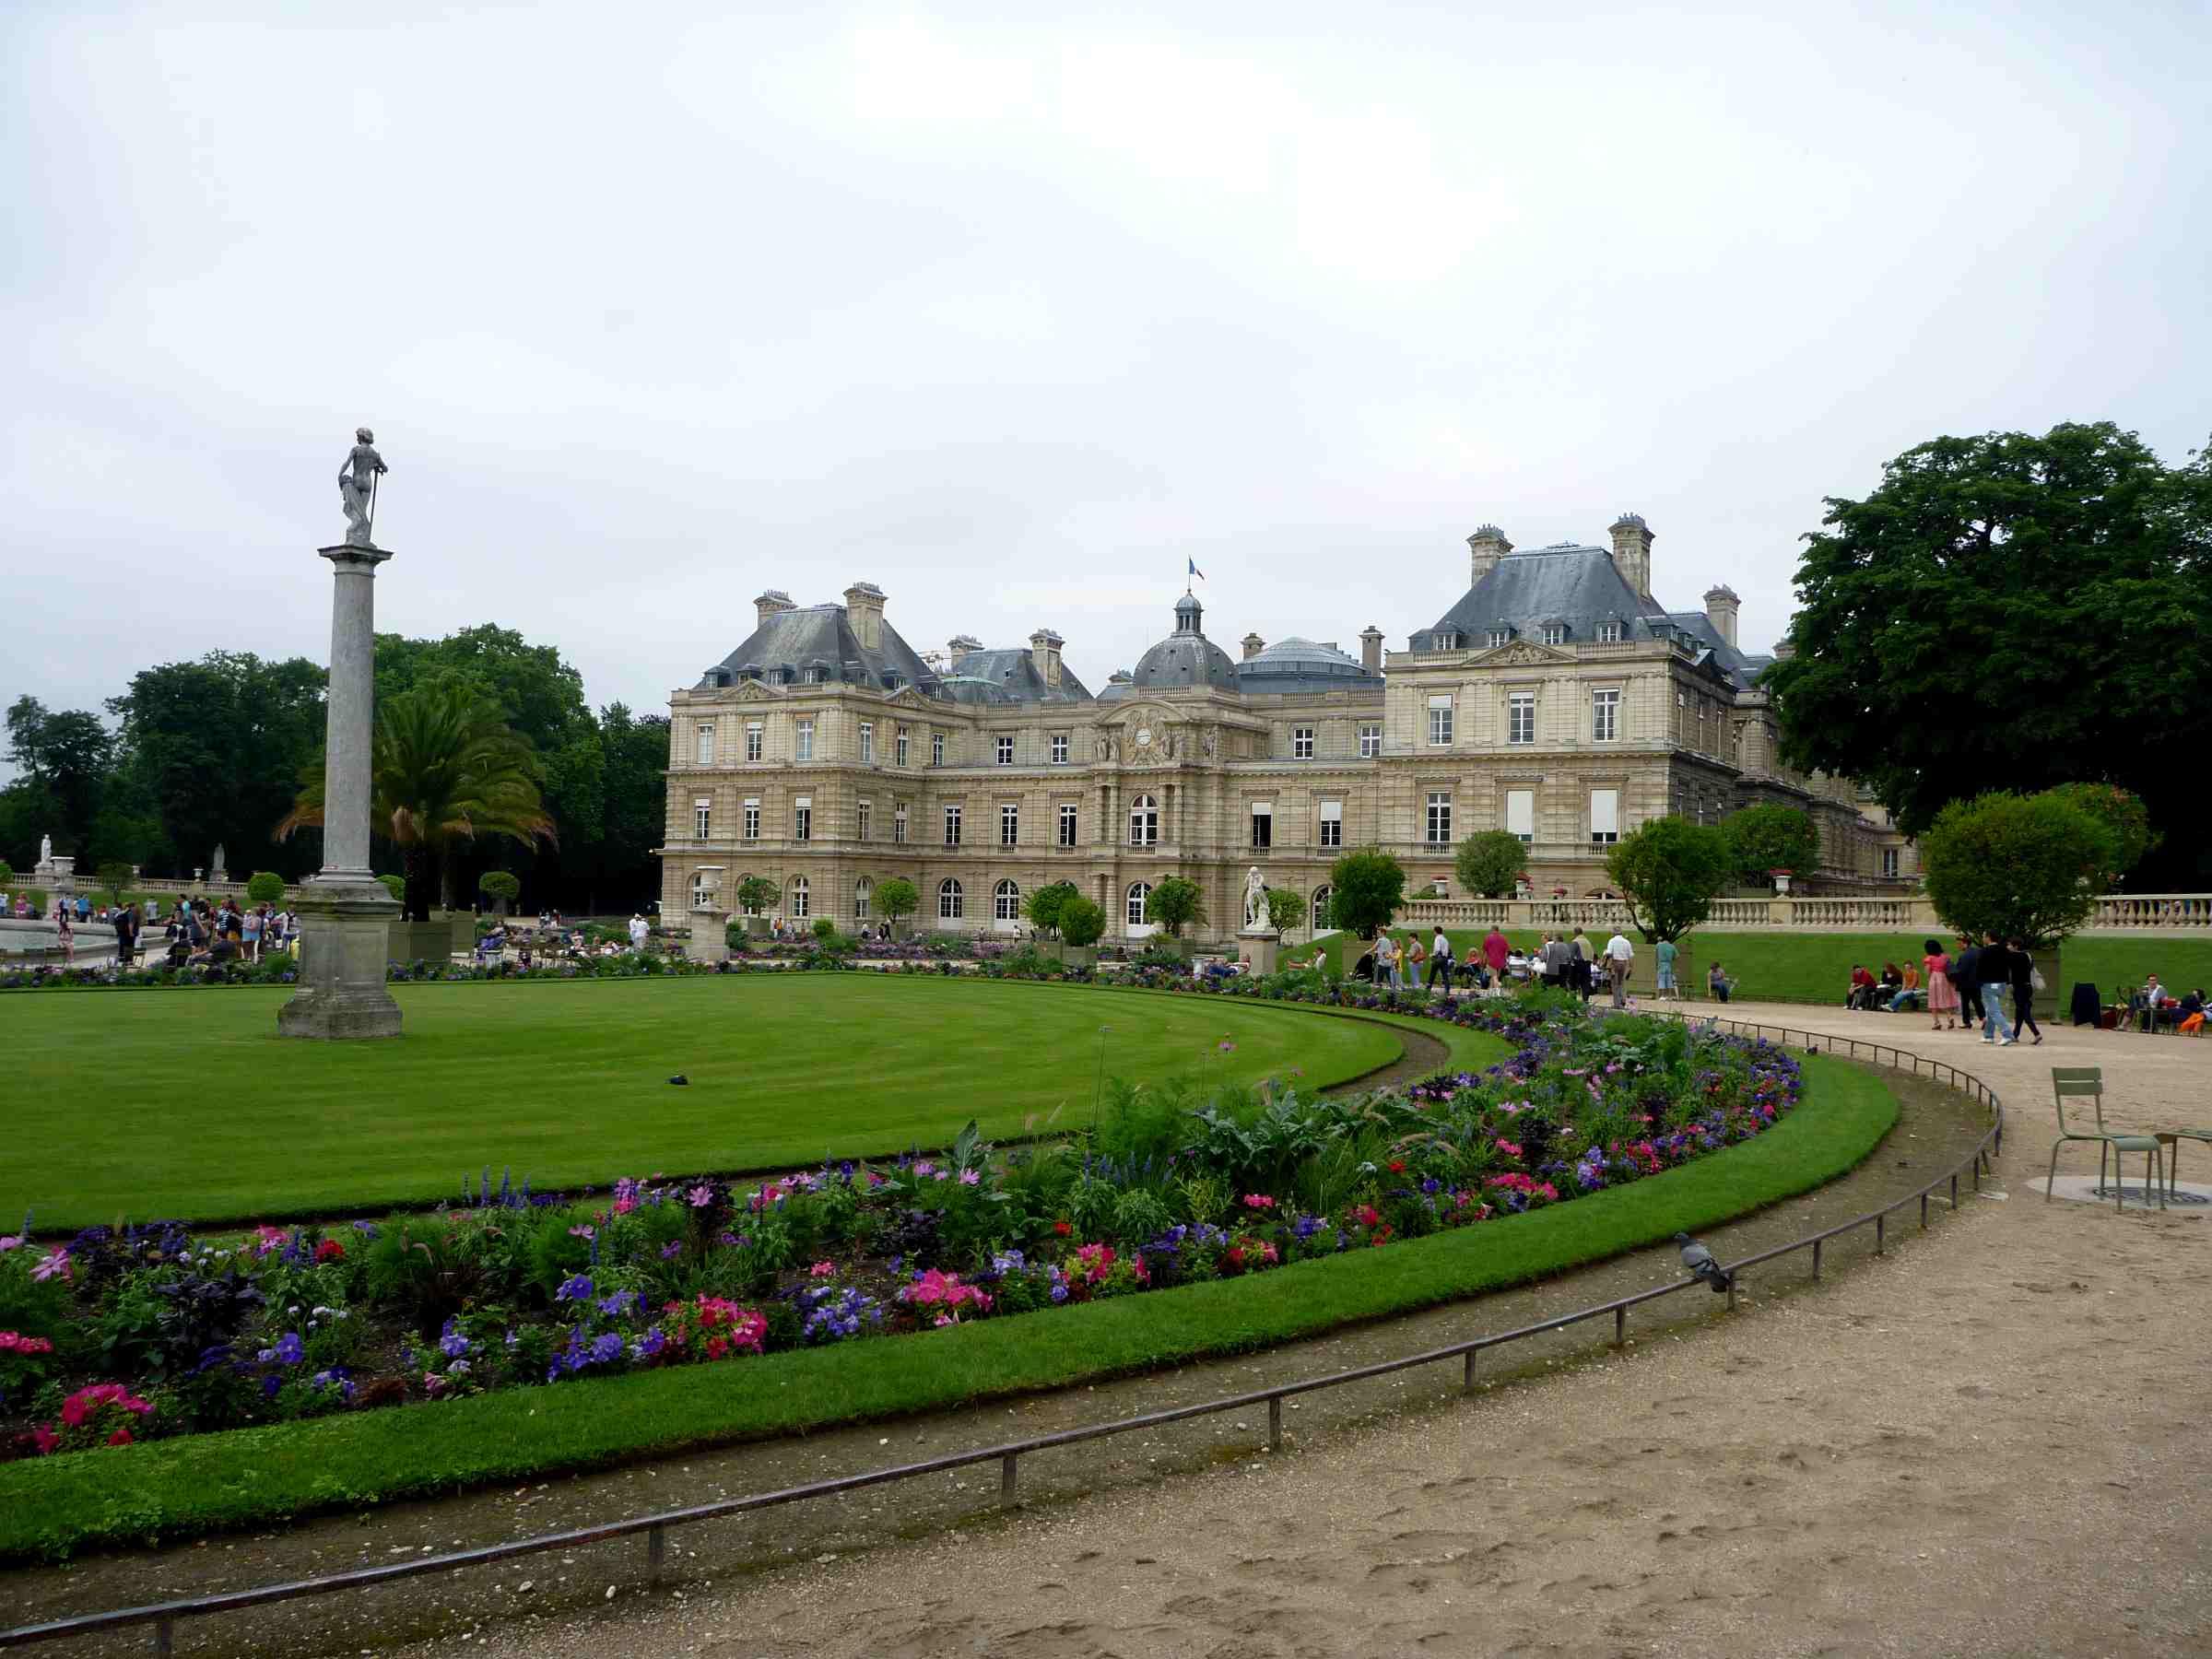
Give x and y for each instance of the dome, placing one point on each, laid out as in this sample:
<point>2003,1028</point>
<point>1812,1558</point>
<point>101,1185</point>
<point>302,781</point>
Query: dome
<point>1296,664</point>
<point>1185,657</point>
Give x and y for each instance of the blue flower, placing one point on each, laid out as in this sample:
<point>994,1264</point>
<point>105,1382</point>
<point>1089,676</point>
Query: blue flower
<point>576,1289</point>
<point>606,1348</point>
<point>452,1344</point>
<point>618,1304</point>
<point>290,1349</point>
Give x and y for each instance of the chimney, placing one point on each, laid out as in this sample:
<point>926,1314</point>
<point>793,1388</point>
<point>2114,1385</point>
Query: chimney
<point>1254,645</point>
<point>1489,546</point>
<point>769,604</point>
<point>1632,552</point>
<point>863,610</point>
<point>1044,655</point>
<point>1721,607</point>
<point>957,648</point>
<point>1371,648</point>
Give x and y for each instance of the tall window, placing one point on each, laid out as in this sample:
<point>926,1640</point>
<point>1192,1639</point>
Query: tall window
<point>1440,722</point>
<point>864,820</point>
<point>948,900</point>
<point>1059,748</point>
<point>1143,822</point>
<point>1067,826</point>
<point>1889,863</point>
<point>802,747</point>
<point>1321,909</point>
<point>1263,824</point>
<point>1138,893</point>
<point>899,747</point>
<point>867,743</point>
<point>936,748</point>
<point>752,739</point>
<point>703,818</point>
<point>706,745</point>
<point>1005,752</point>
<point>1609,633</point>
<point>952,826</point>
<point>898,824</point>
<point>1440,817</point>
<point>1302,742</point>
<point>752,818</point>
<point>863,891</point>
<point>1605,817</point>
<point>1521,814</point>
<point>802,818</point>
<point>1009,825</point>
<point>1331,823</point>
<point>1605,716</point>
<point>1520,717</point>
<point>1371,742</point>
<point>1006,902</point>
<point>1555,633</point>
<point>799,906</point>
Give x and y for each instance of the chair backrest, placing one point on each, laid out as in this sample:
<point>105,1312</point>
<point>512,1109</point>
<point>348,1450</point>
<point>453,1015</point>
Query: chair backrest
<point>2077,1080</point>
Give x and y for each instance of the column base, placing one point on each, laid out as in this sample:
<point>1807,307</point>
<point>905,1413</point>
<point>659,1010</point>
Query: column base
<point>710,936</point>
<point>1261,945</point>
<point>344,920</point>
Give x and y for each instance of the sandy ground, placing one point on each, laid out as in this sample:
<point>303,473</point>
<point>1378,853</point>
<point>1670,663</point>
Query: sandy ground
<point>1989,1444</point>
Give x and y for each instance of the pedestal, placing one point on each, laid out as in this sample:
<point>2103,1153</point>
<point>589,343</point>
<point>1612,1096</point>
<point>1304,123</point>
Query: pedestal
<point>1262,946</point>
<point>345,912</point>
<point>709,935</point>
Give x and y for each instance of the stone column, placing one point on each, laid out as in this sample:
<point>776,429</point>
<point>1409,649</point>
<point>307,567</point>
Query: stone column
<point>344,911</point>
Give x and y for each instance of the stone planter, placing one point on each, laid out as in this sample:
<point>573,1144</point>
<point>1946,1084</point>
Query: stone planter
<point>756,927</point>
<point>430,941</point>
<point>1078,956</point>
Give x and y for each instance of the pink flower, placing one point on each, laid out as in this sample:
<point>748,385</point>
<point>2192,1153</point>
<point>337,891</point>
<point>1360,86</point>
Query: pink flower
<point>1509,1148</point>
<point>971,1177</point>
<point>924,1170</point>
<point>13,1242</point>
<point>13,1342</point>
<point>580,1232</point>
<point>54,1263</point>
<point>47,1441</point>
<point>823,1269</point>
<point>700,1197</point>
<point>1258,1201</point>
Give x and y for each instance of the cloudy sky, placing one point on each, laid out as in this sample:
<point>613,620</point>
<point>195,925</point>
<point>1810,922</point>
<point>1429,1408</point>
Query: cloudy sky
<point>1014,309</point>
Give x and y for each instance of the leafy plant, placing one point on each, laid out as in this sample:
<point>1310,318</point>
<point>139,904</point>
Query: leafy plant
<point>1081,922</point>
<point>1174,904</point>
<point>264,887</point>
<point>1366,887</point>
<point>1670,872</point>
<point>1770,837</point>
<point>897,897</point>
<point>2016,867</point>
<point>757,895</point>
<point>1490,863</point>
<point>1043,906</point>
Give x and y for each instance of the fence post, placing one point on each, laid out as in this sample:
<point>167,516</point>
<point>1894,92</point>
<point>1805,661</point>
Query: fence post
<point>1005,1479</point>
<point>1274,1423</point>
<point>1878,1234</point>
<point>1954,1189</point>
<point>1923,1212</point>
<point>1731,1293</point>
<point>1815,1261</point>
<point>1620,1327</point>
<point>165,1635</point>
<point>656,1549</point>
<point>1467,1380</point>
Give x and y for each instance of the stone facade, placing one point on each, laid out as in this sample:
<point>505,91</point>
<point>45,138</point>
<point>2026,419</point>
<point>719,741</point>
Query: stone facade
<point>1557,701</point>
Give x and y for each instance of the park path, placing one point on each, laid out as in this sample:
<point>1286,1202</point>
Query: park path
<point>1988,1443</point>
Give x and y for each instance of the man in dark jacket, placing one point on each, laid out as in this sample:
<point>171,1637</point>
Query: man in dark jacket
<point>1965,969</point>
<point>1992,972</point>
<point>126,933</point>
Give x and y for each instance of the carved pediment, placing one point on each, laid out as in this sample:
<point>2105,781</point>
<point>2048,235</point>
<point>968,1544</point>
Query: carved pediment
<point>751,691</point>
<point>906,696</point>
<point>1521,654</point>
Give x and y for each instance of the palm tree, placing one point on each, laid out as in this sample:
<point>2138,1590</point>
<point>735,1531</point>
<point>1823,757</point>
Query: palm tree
<point>444,768</point>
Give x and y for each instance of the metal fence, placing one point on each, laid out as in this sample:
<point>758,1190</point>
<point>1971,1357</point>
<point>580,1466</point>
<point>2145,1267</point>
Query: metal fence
<point>163,1616</point>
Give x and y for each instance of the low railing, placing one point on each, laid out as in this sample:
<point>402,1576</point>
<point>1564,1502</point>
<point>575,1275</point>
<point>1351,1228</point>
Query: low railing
<point>2141,912</point>
<point>2154,912</point>
<point>163,1616</point>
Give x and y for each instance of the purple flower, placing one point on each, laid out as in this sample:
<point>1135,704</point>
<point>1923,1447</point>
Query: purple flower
<point>579,1288</point>
<point>453,1345</point>
<point>618,1304</point>
<point>970,1177</point>
<point>290,1349</point>
<point>606,1348</point>
<point>700,1197</point>
<point>671,1250</point>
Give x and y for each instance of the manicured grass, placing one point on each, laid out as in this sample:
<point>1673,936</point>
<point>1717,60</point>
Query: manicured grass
<point>2108,960</point>
<point>187,1104</point>
<point>204,1483</point>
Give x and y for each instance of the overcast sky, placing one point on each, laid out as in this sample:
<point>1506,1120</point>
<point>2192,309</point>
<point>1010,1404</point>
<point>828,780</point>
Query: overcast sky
<point>1014,312</point>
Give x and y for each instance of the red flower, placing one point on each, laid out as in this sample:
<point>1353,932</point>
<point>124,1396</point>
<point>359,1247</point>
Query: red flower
<point>1062,1228</point>
<point>330,1250</point>
<point>1397,1166</point>
<point>122,1437</point>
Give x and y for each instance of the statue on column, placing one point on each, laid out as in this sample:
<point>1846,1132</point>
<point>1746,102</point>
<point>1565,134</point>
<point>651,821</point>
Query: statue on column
<point>1255,898</point>
<point>356,487</point>
<point>45,850</point>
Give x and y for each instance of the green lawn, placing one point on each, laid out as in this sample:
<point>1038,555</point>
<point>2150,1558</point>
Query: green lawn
<point>187,1104</point>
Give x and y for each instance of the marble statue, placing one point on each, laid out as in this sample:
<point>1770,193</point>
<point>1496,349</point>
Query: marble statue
<point>356,487</point>
<point>1255,898</point>
<point>45,850</point>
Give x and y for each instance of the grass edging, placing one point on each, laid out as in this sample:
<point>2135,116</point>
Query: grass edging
<point>197,1483</point>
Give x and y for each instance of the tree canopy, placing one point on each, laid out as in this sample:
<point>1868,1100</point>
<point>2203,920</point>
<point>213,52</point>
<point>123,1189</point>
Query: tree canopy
<point>1670,872</point>
<point>1174,904</point>
<point>1081,921</point>
<point>1770,837</point>
<point>757,895</point>
<point>2017,866</point>
<point>1044,906</point>
<point>2009,612</point>
<point>897,897</point>
<point>1366,887</point>
<point>1489,862</point>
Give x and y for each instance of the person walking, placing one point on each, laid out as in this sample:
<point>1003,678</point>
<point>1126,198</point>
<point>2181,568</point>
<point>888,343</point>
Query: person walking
<point>1620,955</point>
<point>1966,974</point>
<point>1992,972</point>
<point>1586,963</point>
<point>637,931</point>
<point>2024,977</point>
<point>1440,954</point>
<point>126,936</point>
<point>1387,949</point>
<point>1496,952</point>
<point>1943,995</point>
<point>65,932</point>
<point>1559,961</point>
<point>1415,957</point>
<point>1664,953</point>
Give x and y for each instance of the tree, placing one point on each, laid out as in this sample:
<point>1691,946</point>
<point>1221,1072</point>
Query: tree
<point>897,897</point>
<point>2009,612</point>
<point>264,887</point>
<point>502,886</point>
<point>2124,814</point>
<point>1285,910</point>
<point>444,769</point>
<point>8,874</point>
<point>1043,905</point>
<point>66,756</point>
<point>1490,863</point>
<point>1770,837</point>
<point>756,894</point>
<point>396,886</point>
<point>115,878</point>
<point>1670,872</point>
<point>1081,922</point>
<point>1365,891</point>
<point>2016,867</point>
<point>1174,904</point>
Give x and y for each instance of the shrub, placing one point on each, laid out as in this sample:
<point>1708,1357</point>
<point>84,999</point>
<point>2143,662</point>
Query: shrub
<point>2018,867</point>
<point>1082,923</point>
<point>897,897</point>
<point>1670,871</point>
<point>396,886</point>
<point>264,887</point>
<point>1365,891</point>
<point>1044,905</point>
<point>1490,863</point>
<point>500,884</point>
<point>1770,837</point>
<point>756,894</point>
<point>1174,904</point>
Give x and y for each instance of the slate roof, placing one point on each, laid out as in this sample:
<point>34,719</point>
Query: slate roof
<point>1739,667</point>
<point>1295,666</point>
<point>1185,657</point>
<point>794,640</point>
<point>1015,673</point>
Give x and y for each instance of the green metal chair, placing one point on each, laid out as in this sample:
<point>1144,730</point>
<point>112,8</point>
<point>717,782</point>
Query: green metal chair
<point>2077,1080</point>
<point>2171,1139</point>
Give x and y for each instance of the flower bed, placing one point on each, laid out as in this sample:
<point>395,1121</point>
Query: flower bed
<point>513,1288</point>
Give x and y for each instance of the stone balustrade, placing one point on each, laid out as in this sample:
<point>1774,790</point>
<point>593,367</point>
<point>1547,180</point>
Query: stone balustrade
<point>2135,913</point>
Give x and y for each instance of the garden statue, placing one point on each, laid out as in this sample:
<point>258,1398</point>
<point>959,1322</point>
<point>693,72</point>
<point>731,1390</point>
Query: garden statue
<point>1255,899</point>
<point>45,850</point>
<point>356,487</point>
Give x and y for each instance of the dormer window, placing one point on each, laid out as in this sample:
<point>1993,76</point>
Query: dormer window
<point>1555,633</point>
<point>1446,639</point>
<point>1608,632</point>
<point>814,674</point>
<point>1498,636</point>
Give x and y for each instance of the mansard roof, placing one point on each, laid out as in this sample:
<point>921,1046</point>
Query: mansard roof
<point>822,637</point>
<point>1014,672</point>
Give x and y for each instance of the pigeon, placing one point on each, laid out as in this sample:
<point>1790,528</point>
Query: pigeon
<point>1700,1261</point>
<point>679,1079</point>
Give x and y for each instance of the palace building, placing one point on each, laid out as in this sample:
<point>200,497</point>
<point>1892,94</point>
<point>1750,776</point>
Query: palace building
<point>1556,698</point>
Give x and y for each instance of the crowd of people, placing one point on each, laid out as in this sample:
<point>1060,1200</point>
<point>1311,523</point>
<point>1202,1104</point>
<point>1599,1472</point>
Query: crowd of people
<point>1572,963</point>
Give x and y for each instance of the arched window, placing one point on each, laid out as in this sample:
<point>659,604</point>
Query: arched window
<point>1144,821</point>
<point>948,900</point>
<point>1138,893</point>
<point>1321,909</point>
<point>798,897</point>
<point>1006,902</point>
<point>863,891</point>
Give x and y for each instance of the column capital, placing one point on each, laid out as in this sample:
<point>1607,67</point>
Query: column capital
<point>346,553</point>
